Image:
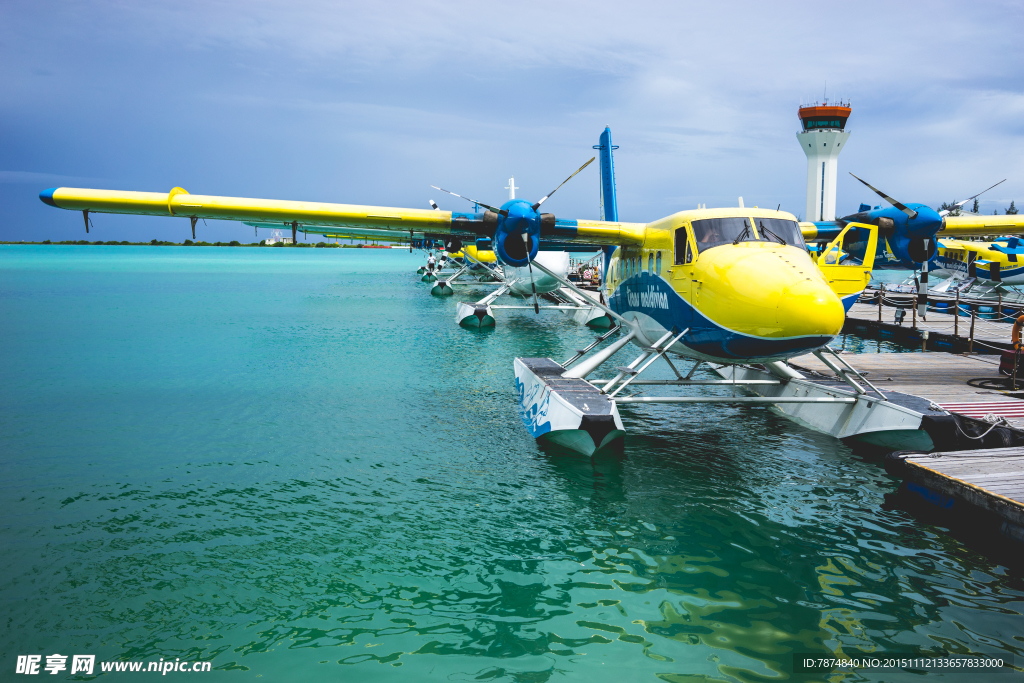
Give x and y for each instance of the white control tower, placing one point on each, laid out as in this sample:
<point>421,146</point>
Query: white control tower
<point>822,136</point>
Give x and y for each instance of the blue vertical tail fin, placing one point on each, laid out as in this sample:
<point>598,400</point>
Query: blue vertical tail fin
<point>609,204</point>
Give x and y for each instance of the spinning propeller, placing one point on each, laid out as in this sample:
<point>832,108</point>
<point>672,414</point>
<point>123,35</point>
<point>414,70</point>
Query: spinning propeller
<point>518,216</point>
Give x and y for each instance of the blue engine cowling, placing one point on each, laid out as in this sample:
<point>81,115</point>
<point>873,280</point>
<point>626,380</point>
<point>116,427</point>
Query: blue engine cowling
<point>509,246</point>
<point>904,235</point>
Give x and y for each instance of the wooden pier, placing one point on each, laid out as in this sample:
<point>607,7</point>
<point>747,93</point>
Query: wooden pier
<point>955,414</point>
<point>940,378</point>
<point>989,481</point>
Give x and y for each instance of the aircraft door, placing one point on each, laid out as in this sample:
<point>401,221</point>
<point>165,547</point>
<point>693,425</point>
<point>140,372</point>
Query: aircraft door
<point>682,273</point>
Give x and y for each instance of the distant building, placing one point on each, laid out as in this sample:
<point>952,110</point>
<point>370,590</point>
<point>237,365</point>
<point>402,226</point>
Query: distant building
<point>822,136</point>
<point>278,236</point>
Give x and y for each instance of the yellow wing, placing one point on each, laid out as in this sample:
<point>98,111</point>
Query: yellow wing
<point>328,219</point>
<point>178,202</point>
<point>978,225</point>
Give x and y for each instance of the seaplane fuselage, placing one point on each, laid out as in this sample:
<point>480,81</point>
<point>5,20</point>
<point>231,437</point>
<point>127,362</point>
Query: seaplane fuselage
<point>520,278</point>
<point>740,280</point>
<point>479,260</point>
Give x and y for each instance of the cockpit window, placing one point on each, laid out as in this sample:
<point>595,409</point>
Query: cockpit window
<point>712,232</point>
<point>780,230</point>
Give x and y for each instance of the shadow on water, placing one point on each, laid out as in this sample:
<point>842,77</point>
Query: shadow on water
<point>598,478</point>
<point>976,529</point>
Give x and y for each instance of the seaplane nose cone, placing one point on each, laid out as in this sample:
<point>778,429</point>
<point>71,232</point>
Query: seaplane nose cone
<point>810,308</point>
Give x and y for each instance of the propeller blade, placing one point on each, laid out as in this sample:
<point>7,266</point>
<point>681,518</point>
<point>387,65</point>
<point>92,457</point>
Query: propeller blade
<point>899,205</point>
<point>486,206</point>
<point>959,204</point>
<point>433,205</point>
<point>980,193</point>
<point>529,264</point>
<point>548,195</point>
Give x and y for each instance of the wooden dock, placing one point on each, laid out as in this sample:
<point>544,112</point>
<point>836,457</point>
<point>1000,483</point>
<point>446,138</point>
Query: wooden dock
<point>940,379</point>
<point>990,481</point>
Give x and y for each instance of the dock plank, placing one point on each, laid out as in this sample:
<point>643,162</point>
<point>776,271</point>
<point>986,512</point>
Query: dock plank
<point>991,479</point>
<point>937,377</point>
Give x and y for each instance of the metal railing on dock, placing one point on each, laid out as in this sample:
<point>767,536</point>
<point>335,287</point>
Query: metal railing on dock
<point>951,324</point>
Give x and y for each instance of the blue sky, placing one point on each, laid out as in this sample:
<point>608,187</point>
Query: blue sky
<point>372,103</point>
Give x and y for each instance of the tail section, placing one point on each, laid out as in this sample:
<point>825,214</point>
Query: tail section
<point>609,204</point>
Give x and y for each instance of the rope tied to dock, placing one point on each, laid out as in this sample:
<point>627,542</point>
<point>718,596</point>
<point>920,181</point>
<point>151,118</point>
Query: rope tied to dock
<point>994,419</point>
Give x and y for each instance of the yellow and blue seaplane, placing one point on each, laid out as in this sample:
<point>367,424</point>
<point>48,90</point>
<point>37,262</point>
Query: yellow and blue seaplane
<point>731,288</point>
<point>919,238</point>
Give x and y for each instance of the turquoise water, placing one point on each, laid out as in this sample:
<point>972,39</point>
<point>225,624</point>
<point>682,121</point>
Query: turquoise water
<point>293,463</point>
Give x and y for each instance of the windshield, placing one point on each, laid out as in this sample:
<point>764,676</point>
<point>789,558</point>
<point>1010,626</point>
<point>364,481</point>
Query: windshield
<point>712,232</point>
<point>780,230</point>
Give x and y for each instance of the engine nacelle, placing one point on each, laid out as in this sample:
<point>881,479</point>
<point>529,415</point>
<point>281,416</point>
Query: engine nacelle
<point>510,246</point>
<point>905,236</point>
<point>911,250</point>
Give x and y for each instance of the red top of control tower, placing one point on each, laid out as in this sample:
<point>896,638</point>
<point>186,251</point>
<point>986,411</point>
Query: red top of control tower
<point>818,116</point>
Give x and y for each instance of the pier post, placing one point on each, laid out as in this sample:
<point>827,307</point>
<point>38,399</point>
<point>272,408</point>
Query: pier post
<point>924,340</point>
<point>956,316</point>
<point>999,307</point>
<point>881,288</point>
<point>970,348</point>
<point>914,309</point>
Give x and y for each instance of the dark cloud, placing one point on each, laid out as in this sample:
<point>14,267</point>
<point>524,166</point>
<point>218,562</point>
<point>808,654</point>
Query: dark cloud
<point>373,102</point>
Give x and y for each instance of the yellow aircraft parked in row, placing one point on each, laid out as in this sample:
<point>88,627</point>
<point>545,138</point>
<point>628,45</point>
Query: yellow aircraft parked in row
<point>724,285</point>
<point>740,279</point>
<point>1001,261</point>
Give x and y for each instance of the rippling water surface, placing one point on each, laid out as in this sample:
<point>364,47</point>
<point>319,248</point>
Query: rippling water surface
<point>294,464</point>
